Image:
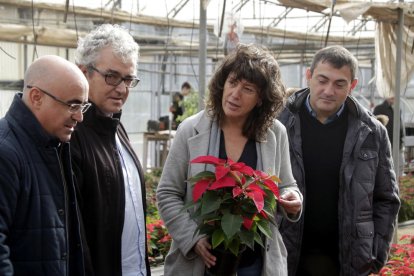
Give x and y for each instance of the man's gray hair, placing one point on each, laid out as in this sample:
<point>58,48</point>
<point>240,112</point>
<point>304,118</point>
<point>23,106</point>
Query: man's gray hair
<point>122,43</point>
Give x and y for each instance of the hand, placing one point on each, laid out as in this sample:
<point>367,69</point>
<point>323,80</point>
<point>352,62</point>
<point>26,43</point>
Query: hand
<point>202,248</point>
<point>291,202</point>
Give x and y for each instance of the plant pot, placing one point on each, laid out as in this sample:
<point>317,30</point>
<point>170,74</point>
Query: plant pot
<point>226,263</point>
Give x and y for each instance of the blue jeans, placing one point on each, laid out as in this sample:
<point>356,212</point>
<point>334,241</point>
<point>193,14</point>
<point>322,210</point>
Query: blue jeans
<point>253,270</point>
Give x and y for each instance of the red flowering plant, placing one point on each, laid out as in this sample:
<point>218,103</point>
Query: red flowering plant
<point>235,204</point>
<point>159,241</point>
<point>401,260</point>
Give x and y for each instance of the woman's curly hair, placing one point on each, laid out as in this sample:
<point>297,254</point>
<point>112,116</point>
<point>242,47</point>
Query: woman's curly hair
<point>256,65</point>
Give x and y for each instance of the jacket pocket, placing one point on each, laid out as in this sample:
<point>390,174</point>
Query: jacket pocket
<point>366,165</point>
<point>363,247</point>
<point>366,154</point>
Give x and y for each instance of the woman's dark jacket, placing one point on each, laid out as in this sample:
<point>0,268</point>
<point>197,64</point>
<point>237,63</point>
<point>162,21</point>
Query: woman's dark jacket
<point>368,199</point>
<point>101,188</point>
<point>37,195</point>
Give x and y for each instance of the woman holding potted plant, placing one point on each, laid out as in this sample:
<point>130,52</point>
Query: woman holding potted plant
<point>239,123</point>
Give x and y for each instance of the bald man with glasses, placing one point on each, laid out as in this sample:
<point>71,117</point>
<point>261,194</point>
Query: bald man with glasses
<point>40,225</point>
<point>109,175</point>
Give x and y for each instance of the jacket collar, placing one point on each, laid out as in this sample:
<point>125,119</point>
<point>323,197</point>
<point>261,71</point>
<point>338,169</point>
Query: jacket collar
<point>296,100</point>
<point>22,119</point>
<point>203,122</point>
<point>95,119</point>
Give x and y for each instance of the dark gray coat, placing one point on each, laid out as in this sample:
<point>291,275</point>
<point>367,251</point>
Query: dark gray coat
<point>368,199</point>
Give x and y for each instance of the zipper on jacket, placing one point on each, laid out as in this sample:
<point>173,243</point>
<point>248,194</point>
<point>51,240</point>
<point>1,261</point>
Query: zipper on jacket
<point>299,160</point>
<point>65,190</point>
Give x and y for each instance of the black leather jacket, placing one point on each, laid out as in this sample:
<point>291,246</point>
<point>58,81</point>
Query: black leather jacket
<point>100,181</point>
<point>368,199</point>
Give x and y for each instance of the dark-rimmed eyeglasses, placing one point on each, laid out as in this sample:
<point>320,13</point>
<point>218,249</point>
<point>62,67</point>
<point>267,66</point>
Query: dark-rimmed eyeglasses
<point>116,79</point>
<point>73,107</point>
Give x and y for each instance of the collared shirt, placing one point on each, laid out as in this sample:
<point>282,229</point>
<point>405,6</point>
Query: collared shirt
<point>133,234</point>
<point>331,118</point>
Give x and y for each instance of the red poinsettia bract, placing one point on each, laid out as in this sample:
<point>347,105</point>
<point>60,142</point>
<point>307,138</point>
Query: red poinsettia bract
<point>231,174</point>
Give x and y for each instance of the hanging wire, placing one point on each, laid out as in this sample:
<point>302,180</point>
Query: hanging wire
<point>65,16</point>
<point>356,55</point>
<point>261,23</point>
<point>102,8</point>
<point>166,51</point>
<point>358,45</point>
<point>34,34</point>
<point>284,38</point>
<point>220,27</point>
<point>407,69</point>
<point>306,38</point>
<point>344,31</point>
<point>4,51</point>
<point>222,19</point>
<point>191,45</point>
<point>75,21</point>
<point>330,22</point>
<point>130,16</point>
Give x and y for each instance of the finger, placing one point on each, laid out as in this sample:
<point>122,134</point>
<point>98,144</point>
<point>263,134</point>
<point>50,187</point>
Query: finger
<point>209,259</point>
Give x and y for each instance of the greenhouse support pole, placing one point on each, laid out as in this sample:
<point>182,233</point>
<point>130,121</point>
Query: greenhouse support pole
<point>202,53</point>
<point>397,113</point>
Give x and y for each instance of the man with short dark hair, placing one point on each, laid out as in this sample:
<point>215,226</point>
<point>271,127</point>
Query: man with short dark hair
<point>341,160</point>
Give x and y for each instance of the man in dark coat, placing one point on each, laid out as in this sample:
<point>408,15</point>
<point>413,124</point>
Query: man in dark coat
<point>40,230</point>
<point>109,175</point>
<point>341,160</point>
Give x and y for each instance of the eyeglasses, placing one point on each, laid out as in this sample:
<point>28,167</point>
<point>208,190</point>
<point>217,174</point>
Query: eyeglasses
<point>73,107</point>
<point>115,79</point>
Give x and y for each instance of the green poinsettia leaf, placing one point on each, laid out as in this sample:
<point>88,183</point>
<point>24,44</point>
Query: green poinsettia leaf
<point>234,246</point>
<point>231,224</point>
<point>210,202</point>
<point>206,229</point>
<point>217,238</point>
<point>247,238</point>
<point>258,239</point>
<point>189,205</point>
<point>201,175</point>
<point>264,227</point>
<point>269,204</point>
<point>248,208</point>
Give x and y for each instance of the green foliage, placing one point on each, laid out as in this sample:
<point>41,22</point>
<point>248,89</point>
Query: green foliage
<point>407,198</point>
<point>231,224</point>
<point>151,182</point>
<point>190,106</point>
<point>159,241</point>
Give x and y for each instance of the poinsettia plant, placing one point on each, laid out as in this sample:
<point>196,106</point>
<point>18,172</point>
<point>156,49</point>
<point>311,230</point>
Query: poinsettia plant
<point>235,204</point>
